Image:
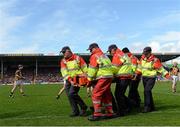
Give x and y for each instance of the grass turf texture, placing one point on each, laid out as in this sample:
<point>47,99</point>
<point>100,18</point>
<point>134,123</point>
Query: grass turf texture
<point>41,108</point>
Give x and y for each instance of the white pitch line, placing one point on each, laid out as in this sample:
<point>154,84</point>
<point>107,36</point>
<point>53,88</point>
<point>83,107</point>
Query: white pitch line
<point>35,117</point>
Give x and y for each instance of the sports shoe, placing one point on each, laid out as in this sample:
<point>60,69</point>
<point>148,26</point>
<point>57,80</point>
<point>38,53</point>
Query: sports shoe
<point>57,97</point>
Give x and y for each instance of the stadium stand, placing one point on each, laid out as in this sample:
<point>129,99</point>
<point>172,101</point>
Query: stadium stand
<point>39,68</point>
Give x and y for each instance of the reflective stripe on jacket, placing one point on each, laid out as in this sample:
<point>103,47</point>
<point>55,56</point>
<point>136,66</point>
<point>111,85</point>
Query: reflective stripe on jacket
<point>73,66</point>
<point>100,66</point>
<point>122,64</point>
<point>149,67</point>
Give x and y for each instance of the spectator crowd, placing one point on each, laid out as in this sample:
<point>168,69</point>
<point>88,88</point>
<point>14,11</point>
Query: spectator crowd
<point>44,75</point>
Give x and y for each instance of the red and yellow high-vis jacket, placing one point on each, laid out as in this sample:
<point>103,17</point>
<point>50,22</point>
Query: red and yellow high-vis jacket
<point>73,66</point>
<point>100,66</point>
<point>150,67</point>
<point>122,65</point>
<point>134,61</point>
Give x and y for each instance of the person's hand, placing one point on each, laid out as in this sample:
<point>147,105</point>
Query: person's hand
<point>74,84</point>
<point>71,81</point>
<point>134,77</point>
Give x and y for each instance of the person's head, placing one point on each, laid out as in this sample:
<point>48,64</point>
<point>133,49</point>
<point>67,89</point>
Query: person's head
<point>147,51</point>
<point>66,51</point>
<point>175,64</point>
<point>20,67</point>
<point>93,47</point>
<point>125,50</point>
<point>112,49</point>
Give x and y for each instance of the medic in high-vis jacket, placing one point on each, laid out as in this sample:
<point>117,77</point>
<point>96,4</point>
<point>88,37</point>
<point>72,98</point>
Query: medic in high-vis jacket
<point>100,69</point>
<point>122,68</point>
<point>149,66</point>
<point>73,68</point>
<point>133,94</point>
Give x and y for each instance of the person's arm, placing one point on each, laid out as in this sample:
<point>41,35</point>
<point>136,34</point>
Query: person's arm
<point>64,72</point>
<point>83,65</point>
<point>134,62</point>
<point>160,69</point>
<point>22,77</point>
<point>139,68</point>
<point>93,68</point>
<point>116,63</point>
<point>17,74</point>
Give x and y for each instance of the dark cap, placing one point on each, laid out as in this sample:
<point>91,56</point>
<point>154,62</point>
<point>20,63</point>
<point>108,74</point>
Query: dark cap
<point>125,50</point>
<point>63,50</point>
<point>147,50</point>
<point>113,46</point>
<point>93,45</point>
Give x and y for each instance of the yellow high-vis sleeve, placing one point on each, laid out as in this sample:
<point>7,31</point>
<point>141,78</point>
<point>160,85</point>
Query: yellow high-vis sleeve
<point>92,71</point>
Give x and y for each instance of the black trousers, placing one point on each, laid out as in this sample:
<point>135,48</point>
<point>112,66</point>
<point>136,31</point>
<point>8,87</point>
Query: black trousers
<point>148,83</point>
<point>74,99</point>
<point>121,99</point>
<point>114,104</point>
<point>133,94</point>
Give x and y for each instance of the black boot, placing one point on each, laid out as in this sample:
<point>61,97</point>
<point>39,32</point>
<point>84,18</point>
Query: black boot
<point>96,118</point>
<point>83,112</point>
<point>91,108</point>
<point>114,115</point>
<point>146,110</point>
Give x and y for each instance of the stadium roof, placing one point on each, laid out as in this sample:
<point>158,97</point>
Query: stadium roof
<point>54,58</point>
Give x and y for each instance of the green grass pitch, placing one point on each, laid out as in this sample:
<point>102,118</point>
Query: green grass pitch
<point>41,108</point>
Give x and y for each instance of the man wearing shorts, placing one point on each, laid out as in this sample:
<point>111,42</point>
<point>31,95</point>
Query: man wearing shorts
<point>174,73</point>
<point>18,81</point>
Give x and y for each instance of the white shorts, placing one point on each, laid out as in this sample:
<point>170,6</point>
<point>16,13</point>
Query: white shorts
<point>175,79</point>
<point>18,82</point>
